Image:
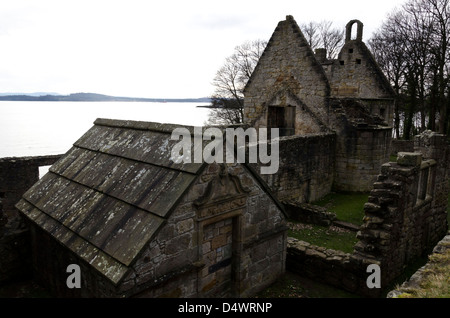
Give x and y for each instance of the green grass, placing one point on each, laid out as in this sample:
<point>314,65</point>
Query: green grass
<point>329,237</point>
<point>291,285</point>
<point>348,207</point>
<point>435,282</point>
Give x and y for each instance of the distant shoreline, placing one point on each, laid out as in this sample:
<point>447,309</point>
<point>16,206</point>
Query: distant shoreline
<point>92,97</point>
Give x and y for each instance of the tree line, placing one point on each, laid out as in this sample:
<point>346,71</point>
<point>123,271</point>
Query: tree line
<point>412,47</point>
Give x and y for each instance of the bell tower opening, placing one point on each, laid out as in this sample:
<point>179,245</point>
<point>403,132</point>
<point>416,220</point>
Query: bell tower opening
<point>359,31</point>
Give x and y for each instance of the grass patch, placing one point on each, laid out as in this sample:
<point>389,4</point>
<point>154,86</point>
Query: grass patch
<point>331,237</point>
<point>348,207</point>
<point>435,282</point>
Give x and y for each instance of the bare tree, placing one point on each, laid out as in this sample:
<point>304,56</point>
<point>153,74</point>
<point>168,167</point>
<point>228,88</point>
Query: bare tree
<point>323,35</point>
<point>389,51</point>
<point>310,31</point>
<point>412,47</point>
<point>230,80</point>
<point>439,10</point>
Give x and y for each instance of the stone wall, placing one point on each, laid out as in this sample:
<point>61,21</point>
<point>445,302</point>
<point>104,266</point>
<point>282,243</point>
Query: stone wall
<point>398,145</point>
<point>306,168</point>
<point>360,152</point>
<point>308,213</point>
<point>336,268</point>
<point>16,176</point>
<point>405,217</point>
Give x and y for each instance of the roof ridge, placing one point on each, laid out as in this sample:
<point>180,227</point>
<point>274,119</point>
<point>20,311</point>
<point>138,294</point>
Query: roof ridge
<point>140,125</point>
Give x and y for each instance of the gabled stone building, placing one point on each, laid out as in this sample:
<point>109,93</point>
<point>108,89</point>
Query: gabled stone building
<point>139,224</point>
<point>303,93</point>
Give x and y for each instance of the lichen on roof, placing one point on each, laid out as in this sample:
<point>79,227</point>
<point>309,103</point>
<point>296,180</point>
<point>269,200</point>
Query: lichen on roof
<point>110,193</point>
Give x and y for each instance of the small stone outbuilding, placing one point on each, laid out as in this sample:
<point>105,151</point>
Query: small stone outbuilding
<point>140,225</point>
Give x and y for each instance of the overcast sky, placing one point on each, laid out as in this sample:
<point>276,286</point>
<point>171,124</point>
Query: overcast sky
<point>160,49</point>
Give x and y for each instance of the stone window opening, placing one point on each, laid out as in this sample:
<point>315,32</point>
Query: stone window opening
<point>426,181</point>
<point>350,51</point>
<point>358,61</point>
<point>282,118</point>
<point>341,62</point>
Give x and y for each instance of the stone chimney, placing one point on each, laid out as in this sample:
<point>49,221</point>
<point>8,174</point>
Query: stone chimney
<point>321,55</point>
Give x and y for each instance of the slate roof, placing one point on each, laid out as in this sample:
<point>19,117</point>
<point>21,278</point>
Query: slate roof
<point>108,195</point>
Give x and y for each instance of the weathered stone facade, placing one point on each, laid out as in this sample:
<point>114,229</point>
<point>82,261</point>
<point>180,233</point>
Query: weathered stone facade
<point>303,93</point>
<point>288,76</point>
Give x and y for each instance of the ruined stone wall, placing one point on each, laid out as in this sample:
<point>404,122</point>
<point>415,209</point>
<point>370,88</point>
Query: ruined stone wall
<point>360,152</point>
<point>406,213</point>
<point>306,169</point>
<point>398,145</point>
<point>17,174</point>
<point>336,268</point>
<point>405,217</point>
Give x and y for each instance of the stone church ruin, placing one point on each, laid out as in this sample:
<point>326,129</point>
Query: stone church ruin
<point>140,225</point>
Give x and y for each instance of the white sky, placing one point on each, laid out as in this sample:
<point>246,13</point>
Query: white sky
<point>159,49</point>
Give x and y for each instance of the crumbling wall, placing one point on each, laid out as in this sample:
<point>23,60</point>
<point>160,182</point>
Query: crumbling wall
<point>398,145</point>
<point>405,217</point>
<point>17,174</point>
<point>343,270</point>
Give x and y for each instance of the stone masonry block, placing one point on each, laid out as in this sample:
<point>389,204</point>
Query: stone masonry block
<point>409,158</point>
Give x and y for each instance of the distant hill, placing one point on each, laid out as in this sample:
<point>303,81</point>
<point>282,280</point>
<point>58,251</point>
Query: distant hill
<point>92,97</point>
<point>30,94</point>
